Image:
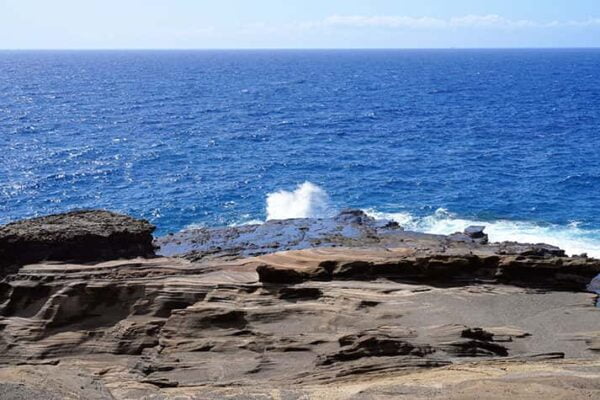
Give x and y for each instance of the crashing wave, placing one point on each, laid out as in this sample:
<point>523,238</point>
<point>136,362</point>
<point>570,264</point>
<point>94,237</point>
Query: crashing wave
<point>311,201</point>
<point>571,238</point>
<point>307,201</point>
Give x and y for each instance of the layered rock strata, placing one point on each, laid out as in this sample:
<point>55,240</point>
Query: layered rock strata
<point>354,308</point>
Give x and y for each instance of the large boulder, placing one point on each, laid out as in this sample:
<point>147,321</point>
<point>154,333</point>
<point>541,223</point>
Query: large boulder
<point>79,236</point>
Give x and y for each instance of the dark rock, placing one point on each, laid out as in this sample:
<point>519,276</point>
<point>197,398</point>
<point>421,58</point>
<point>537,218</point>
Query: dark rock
<point>477,333</point>
<point>78,236</point>
<point>460,237</point>
<point>349,228</point>
<point>374,345</point>
<point>475,231</point>
<point>274,274</point>
<point>528,249</point>
<point>306,293</point>
<point>472,234</point>
<point>352,216</point>
<point>466,238</point>
<point>388,224</point>
<point>161,382</point>
<point>474,348</point>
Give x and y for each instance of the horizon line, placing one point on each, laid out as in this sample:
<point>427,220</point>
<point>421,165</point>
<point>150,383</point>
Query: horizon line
<point>301,48</point>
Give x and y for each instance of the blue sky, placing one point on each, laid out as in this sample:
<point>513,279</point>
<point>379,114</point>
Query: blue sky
<point>175,24</point>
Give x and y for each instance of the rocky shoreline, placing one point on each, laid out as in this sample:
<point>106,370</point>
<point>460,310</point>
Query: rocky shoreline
<point>92,306</point>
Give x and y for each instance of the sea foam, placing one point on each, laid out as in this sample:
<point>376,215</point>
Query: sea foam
<point>311,201</point>
<point>308,200</point>
<point>571,238</point>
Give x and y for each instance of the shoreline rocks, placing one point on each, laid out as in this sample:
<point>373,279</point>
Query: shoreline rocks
<point>473,233</point>
<point>256,310</point>
<point>466,256</point>
<point>79,236</point>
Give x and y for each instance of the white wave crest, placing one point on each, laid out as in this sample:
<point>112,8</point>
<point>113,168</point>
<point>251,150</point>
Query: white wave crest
<point>571,238</point>
<point>308,200</point>
<point>311,201</point>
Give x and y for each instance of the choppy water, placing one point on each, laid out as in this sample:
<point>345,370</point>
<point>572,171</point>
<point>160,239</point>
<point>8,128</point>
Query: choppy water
<point>436,139</point>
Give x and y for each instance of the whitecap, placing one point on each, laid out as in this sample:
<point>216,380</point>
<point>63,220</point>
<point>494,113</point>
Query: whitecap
<point>307,201</point>
<point>571,237</point>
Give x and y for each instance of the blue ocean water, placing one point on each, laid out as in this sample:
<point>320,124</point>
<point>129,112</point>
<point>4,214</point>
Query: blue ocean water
<point>436,139</point>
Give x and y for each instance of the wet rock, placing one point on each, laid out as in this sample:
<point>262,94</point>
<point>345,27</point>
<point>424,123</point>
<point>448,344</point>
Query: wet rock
<point>475,231</point>
<point>349,228</point>
<point>472,234</point>
<point>79,236</point>
<point>353,217</point>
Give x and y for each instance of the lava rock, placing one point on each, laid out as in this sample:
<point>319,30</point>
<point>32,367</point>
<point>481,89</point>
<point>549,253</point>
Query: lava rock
<point>78,236</point>
<point>475,231</point>
<point>531,250</point>
<point>353,216</point>
<point>472,234</point>
<point>350,228</point>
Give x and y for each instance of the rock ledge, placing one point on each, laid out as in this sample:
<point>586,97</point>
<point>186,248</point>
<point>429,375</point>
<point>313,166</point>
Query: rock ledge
<point>80,236</point>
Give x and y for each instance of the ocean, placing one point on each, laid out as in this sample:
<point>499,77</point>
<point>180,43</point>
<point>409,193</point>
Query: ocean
<point>435,139</point>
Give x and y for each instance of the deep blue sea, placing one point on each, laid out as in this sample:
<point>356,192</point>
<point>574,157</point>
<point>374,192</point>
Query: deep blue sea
<point>436,139</point>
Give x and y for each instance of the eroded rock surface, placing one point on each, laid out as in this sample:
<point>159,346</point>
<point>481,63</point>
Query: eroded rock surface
<point>81,236</point>
<point>349,228</point>
<point>381,313</point>
<point>455,265</point>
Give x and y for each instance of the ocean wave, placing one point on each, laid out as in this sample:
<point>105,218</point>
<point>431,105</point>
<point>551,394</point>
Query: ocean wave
<point>311,201</point>
<point>308,200</point>
<point>571,237</point>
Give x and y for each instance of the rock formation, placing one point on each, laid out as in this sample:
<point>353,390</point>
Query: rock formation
<point>346,307</point>
<point>80,236</point>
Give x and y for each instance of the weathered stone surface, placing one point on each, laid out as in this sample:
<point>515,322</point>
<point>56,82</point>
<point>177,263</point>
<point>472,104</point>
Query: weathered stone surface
<point>388,315</point>
<point>175,323</point>
<point>410,264</point>
<point>349,228</point>
<point>495,380</point>
<point>75,236</point>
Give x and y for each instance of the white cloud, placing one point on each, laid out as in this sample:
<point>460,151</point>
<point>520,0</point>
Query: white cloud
<point>584,23</point>
<point>467,21</point>
<point>384,21</point>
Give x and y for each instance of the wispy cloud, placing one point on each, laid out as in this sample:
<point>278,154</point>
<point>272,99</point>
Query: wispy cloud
<point>467,21</point>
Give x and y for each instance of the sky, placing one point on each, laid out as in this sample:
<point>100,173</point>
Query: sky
<point>233,24</point>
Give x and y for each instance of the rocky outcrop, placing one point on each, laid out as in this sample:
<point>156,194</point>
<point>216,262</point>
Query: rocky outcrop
<point>455,266</point>
<point>473,233</point>
<point>349,228</point>
<point>80,236</point>
<point>382,312</point>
